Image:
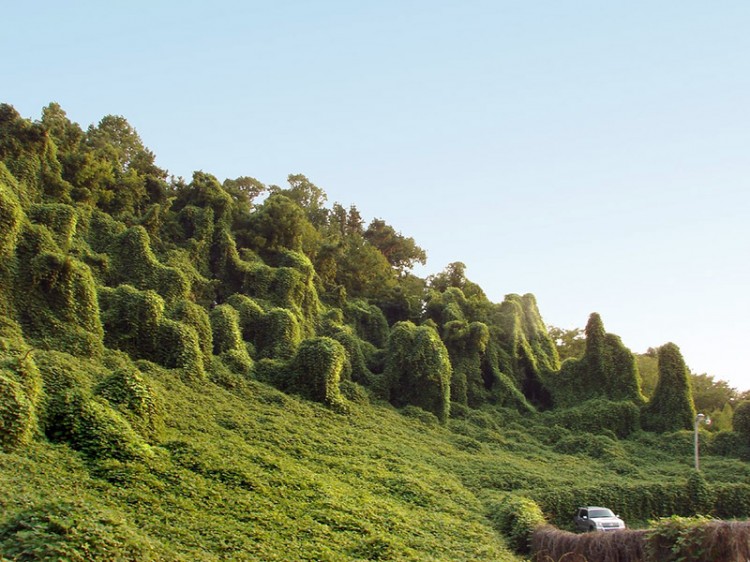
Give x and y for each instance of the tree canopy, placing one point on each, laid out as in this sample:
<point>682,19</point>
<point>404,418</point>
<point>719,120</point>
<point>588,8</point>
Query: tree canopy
<point>236,276</point>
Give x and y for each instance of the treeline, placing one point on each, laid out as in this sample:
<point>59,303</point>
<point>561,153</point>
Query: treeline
<point>711,396</point>
<point>101,250</point>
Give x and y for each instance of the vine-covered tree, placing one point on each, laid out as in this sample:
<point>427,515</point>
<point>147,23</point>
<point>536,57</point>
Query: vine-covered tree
<point>30,155</point>
<point>244,190</point>
<point>100,253</point>
<point>128,178</point>
<point>526,352</point>
<point>671,407</point>
<point>606,370</point>
<point>418,369</point>
<point>280,223</point>
<point>308,196</point>
<point>741,420</point>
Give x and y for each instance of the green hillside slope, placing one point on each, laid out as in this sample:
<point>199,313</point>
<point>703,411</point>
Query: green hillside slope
<point>254,474</point>
<point>233,371</point>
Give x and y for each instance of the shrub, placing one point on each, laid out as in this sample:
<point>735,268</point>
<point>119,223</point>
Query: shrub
<point>191,314</point>
<point>17,419</point>
<point>516,517</point>
<point>466,344</point>
<point>732,500</point>
<point>225,327</point>
<point>227,337</point>
<point>279,336</point>
<point>251,315</point>
<point>23,369</point>
<point>729,444</point>
<point>700,495</point>
<point>595,446</point>
<point>596,416</point>
<point>356,368</point>
<point>418,370</point>
<point>60,373</point>
<point>368,322</point>
<point>238,361</point>
<point>272,371</point>
<point>459,411</point>
<point>293,287</point>
<point>315,371</point>
<point>639,501</point>
<point>134,263</point>
<point>93,428</point>
<point>678,538</point>
<point>60,219</point>
<point>177,347</point>
<point>354,392</point>
<point>135,323</point>
<point>131,318</point>
<point>417,413</point>
<point>526,353</point>
<point>56,295</point>
<point>135,399</point>
<point>502,390</point>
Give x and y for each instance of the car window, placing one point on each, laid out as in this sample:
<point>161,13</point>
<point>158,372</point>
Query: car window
<point>601,513</point>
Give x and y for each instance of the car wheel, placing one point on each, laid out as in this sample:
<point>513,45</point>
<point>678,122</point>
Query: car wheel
<point>592,529</point>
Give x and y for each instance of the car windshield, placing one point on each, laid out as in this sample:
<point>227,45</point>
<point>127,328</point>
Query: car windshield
<point>596,513</point>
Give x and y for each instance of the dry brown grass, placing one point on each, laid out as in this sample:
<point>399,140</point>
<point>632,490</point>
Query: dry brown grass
<point>549,544</point>
<point>712,541</point>
<point>727,541</point>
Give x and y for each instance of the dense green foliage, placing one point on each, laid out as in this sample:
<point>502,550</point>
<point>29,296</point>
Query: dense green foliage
<point>418,370</point>
<point>671,407</point>
<point>516,517</point>
<point>316,370</point>
<point>607,369</point>
<point>190,373</point>
<point>741,420</point>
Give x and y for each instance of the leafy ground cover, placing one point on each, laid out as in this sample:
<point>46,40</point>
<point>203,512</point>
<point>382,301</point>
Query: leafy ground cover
<point>188,373</point>
<point>250,473</point>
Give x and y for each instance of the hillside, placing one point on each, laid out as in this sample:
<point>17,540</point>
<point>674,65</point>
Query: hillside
<point>210,371</point>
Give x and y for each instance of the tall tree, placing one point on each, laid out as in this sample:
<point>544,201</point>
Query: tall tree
<point>741,420</point>
<point>244,190</point>
<point>117,171</point>
<point>280,223</point>
<point>31,156</point>
<point>569,343</point>
<point>308,196</point>
<point>648,368</point>
<point>709,394</point>
<point>400,251</point>
<point>606,370</point>
<point>671,407</point>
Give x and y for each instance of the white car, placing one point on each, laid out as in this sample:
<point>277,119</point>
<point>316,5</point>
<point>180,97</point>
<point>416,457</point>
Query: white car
<point>594,518</point>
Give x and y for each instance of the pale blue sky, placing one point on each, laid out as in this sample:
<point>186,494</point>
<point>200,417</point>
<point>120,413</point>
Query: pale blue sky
<point>592,153</point>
